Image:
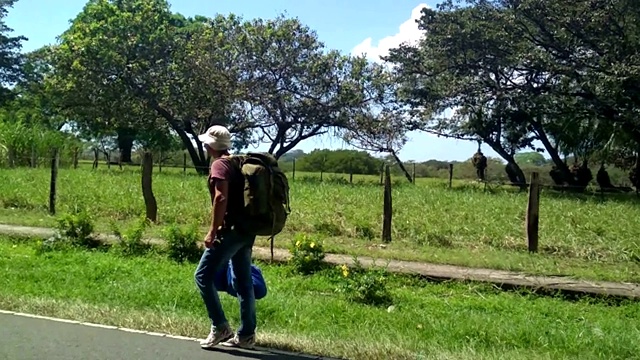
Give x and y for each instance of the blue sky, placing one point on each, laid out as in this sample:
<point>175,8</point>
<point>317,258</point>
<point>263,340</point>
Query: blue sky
<point>350,26</point>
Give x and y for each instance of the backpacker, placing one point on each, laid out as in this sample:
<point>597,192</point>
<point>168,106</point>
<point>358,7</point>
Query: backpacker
<point>266,195</point>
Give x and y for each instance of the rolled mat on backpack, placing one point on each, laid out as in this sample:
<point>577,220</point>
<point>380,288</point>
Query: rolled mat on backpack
<point>224,280</point>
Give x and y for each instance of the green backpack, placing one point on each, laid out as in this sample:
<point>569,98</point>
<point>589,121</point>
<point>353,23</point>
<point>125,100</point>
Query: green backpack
<point>266,195</point>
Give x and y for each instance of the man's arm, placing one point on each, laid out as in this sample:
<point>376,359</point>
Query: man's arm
<point>220,176</point>
<point>219,207</point>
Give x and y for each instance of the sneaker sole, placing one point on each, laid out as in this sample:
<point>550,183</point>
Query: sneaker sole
<point>235,345</point>
<point>206,345</point>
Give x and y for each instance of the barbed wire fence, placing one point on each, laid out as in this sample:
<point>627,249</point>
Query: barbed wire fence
<point>534,186</point>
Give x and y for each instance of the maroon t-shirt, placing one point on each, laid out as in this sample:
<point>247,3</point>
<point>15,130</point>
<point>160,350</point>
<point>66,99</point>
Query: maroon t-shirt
<point>223,169</point>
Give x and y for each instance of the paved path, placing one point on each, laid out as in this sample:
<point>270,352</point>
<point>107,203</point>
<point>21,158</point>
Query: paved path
<point>29,338</point>
<point>435,271</point>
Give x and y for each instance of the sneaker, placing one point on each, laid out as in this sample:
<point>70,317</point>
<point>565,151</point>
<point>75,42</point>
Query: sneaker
<point>216,336</point>
<point>245,342</point>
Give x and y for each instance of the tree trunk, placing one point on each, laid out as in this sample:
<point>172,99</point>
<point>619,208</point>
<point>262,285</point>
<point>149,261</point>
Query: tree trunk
<point>517,175</point>
<point>634,174</point>
<point>404,169</point>
<point>147,190</point>
<point>198,157</point>
<point>510,161</point>
<point>553,153</point>
<point>125,144</point>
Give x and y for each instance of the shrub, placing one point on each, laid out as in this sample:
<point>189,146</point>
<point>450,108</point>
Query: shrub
<point>54,243</point>
<point>364,286</point>
<point>77,229</point>
<point>182,244</point>
<point>307,254</point>
<point>130,241</point>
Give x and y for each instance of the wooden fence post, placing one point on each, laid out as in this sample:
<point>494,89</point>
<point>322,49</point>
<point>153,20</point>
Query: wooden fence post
<point>184,163</point>
<point>293,173</point>
<point>533,212</point>
<point>147,188</point>
<point>11,156</point>
<point>387,207</point>
<point>34,159</point>
<point>95,159</point>
<point>413,175</point>
<point>450,175</point>
<point>108,157</point>
<point>75,157</point>
<point>52,183</point>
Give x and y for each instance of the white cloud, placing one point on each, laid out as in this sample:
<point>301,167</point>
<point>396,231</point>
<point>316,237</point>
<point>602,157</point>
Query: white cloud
<point>408,32</point>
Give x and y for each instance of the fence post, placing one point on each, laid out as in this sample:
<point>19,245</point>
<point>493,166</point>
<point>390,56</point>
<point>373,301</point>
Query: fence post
<point>450,175</point>
<point>75,157</point>
<point>387,207</point>
<point>34,159</point>
<point>533,212</point>
<point>11,155</point>
<point>413,175</point>
<point>52,183</point>
<point>184,163</point>
<point>108,157</point>
<point>293,173</point>
<point>95,159</point>
<point>350,174</point>
<point>147,189</point>
<point>160,161</point>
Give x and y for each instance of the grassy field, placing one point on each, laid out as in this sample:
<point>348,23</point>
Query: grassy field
<point>583,236</point>
<point>437,321</point>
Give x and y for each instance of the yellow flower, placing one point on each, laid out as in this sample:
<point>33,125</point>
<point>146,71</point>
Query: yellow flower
<point>298,243</point>
<point>312,245</point>
<point>345,270</point>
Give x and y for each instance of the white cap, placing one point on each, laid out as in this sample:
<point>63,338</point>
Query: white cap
<point>217,137</point>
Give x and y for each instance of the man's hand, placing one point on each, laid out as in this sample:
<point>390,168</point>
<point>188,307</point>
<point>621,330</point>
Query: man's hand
<point>209,239</point>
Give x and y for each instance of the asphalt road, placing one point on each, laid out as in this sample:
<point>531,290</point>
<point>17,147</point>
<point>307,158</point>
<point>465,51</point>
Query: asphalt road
<point>25,338</point>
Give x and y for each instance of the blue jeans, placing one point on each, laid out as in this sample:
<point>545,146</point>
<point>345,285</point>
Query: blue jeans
<point>237,248</point>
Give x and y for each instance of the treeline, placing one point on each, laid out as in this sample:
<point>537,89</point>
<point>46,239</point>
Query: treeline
<point>363,163</point>
<point>133,74</point>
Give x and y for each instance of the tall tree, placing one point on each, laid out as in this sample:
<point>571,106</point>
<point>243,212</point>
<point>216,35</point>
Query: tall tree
<point>468,62</point>
<point>298,90</point>
<point>133,61</point>
<point>521,70</point>
<point>382,125</point>
<point>11,59</point>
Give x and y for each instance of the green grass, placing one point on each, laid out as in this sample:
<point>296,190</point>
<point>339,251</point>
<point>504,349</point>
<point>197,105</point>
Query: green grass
<point>427,321</point>
<point>580,235</point>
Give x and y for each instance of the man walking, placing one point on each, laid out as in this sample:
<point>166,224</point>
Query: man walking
<point>223,243</point>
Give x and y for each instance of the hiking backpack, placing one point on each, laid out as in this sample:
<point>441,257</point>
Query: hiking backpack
<point>266,195</point>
